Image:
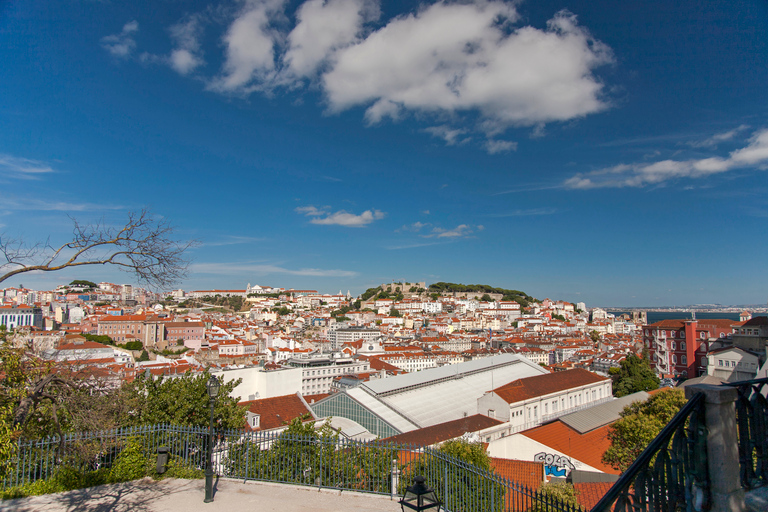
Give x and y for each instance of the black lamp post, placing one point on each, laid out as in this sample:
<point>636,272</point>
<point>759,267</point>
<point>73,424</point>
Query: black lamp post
<point>213,387</point>
<point>419,497</point>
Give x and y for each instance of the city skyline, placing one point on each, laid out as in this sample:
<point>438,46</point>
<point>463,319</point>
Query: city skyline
<point>571,150</point>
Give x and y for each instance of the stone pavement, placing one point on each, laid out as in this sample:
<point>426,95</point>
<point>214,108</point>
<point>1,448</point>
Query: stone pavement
<point>187,495</point>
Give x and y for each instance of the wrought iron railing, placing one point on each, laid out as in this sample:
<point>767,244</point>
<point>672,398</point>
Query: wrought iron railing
<point>752,421</point>
<point>323,461</point>
<point>671,474</point>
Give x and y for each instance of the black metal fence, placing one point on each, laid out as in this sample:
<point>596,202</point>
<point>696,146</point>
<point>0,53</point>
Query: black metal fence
<point>752,421</point>
<point>324,461</point>
<point>671,474</point>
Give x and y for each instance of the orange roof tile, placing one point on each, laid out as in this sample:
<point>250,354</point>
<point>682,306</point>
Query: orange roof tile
<point>277,411</point>
<point>588,447</point>
<point>589,493</point>
<point>528,473</point>
<point>540,385</point>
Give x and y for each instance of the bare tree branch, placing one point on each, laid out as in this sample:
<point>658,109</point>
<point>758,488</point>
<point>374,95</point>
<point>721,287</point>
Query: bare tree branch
<point>144,246</point>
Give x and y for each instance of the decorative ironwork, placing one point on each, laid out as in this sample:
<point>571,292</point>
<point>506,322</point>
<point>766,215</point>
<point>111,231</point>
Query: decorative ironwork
<point>316,461</point>
<point>671,474</point>
<point>752,421</point>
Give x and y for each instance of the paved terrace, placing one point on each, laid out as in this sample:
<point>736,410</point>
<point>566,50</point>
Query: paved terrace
<point>187,495</point>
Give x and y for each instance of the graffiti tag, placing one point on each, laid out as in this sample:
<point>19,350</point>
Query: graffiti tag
<point>555,465</point>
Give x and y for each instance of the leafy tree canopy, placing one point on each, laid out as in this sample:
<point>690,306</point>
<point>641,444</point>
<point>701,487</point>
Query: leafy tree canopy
<point>634,374</point>
<point>474,453</point>
<point>521,298</point>
<point>183,400</point>
<point>640,423</point>
<point>563,492</point>
<point>83,283</point>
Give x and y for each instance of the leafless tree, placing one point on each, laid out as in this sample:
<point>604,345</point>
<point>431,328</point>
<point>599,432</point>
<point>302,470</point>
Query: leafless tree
<point>144,246</point>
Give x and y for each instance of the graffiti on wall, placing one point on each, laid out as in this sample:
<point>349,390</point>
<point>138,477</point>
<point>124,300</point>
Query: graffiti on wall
<point>555,465</point>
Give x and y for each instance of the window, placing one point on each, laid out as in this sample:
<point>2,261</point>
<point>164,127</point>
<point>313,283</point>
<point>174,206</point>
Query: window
<point>674,359</point>
<point>683,359</point>
<point>682,345</point>
<point>674,346</point>
<point>719,362</point>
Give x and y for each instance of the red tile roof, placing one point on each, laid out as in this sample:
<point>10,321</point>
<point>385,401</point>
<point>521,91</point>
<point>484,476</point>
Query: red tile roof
<point>587,448</point>
<point>277,411</point>
<point>589,493</point>
<point>528,473</point>
<point>444,431</point>
<point>540,385</point>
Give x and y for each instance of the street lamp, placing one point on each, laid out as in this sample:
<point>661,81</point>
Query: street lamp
<point>213,387</point>
<point>419,497</point>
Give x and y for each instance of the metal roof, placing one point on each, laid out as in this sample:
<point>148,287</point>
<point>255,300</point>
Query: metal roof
<point>594,417</point>
<point>437,395</point>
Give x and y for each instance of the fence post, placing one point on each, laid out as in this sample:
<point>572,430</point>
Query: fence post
<point>395,478</point>
<point>727,495</point>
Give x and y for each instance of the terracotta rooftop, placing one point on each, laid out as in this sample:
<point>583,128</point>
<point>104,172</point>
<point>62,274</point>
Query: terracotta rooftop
<point>588,447</point>
<point>589,493</point>
<point>540,385</point>
<point>277,411</point>
<point>444,431</point>
<point>528,473</point>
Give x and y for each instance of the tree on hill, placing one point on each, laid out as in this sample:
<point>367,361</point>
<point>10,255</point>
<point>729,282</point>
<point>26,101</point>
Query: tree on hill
<point>634,374</point>
<point>507,295</point>
<point>83,283</point>
<point>640,423</point>
<point>144,246</point>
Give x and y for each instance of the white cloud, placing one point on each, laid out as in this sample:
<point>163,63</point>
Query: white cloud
<point>460,231</point>
<point>754,154</point>
<point>448,134</point>
<point>415,227</point>
<point>250,48</point>
<point>446,58</point>
<point>122,44</point>
<point>185,57</point>
<point>235,268</point>
<point>22,168</point>
<point>458,57</point>
<point>713,141</point>
<point>341,217</point>
<point>500,146</point>
<point>324,26</point>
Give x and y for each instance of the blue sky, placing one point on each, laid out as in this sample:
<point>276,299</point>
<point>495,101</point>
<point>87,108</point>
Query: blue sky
<point>575,150</point>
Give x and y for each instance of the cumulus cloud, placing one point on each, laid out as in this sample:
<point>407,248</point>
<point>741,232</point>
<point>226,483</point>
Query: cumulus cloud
<point>323,27</point>
<point>340,218</point>
<point>451,136</point>
<point>122,44</point>
<point>22,168</point>
<point>499,146</point>
<point>458,57</point>
<point>754,154</point>
<point>716,139</point>
<point>446,58</point>
<point>250,44</point>
<point>186,57</point>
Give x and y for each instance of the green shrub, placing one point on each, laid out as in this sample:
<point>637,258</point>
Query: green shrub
<point>131,464</point>
<point>177,469</point>
<point>63,479</point>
